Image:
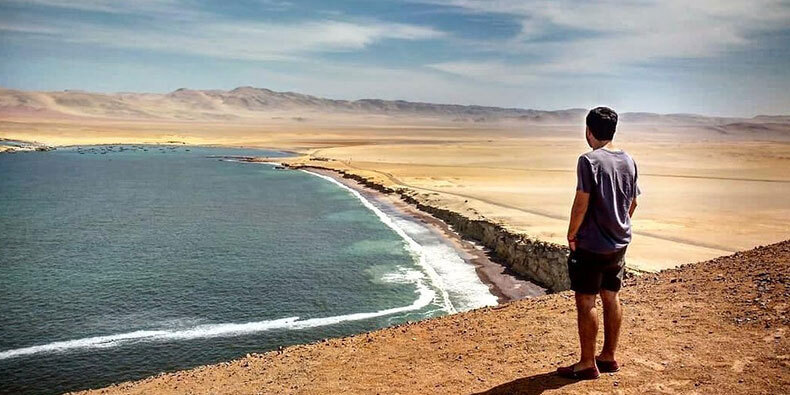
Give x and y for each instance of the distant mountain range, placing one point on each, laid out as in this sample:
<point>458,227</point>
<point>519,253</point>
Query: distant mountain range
<point>258,103</point>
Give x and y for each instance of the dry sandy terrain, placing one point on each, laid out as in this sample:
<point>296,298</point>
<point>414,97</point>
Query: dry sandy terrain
<point>707,191</point>
<point>700,199</point>
<point>710,186</point>
<point>715,327</point>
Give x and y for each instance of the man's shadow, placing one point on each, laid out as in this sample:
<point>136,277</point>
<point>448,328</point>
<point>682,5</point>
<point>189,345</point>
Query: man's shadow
<point>532,385</point>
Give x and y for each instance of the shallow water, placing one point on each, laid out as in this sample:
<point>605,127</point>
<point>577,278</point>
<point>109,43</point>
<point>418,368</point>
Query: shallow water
<point>120,265</point>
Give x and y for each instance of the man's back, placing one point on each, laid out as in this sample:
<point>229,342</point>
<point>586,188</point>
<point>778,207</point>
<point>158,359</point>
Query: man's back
<point>599,231</point>
<point>609,176</point>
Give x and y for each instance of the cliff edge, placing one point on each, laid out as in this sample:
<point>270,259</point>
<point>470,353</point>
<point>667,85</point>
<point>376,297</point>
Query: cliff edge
<point>716,326</point>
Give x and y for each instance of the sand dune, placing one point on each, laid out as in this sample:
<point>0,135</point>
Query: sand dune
<point>246,103</point>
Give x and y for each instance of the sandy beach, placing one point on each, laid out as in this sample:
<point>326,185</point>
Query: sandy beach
<point>502,283</point>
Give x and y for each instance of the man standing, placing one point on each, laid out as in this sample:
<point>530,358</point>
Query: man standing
<point>598,234</point>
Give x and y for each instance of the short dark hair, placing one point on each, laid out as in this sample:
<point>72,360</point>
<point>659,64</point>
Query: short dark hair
<point>602,122</point>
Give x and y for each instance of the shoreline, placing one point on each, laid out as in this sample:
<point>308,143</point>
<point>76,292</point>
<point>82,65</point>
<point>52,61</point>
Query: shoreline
<point>515,348</point>
<point>538,262</point>
<point>6,147</point>
<point>674,277</point>
<point>501,281</point>
<point>502,284</point>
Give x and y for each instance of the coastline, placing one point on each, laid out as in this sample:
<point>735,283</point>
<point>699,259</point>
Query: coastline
<point>502,284</point>
<point>501,281</point>
<point>505,284</point>
<point>13,145</point>
<point>505,174</point>
<point>524,311</point>
<point>540,262</point>
<point>516,347</point>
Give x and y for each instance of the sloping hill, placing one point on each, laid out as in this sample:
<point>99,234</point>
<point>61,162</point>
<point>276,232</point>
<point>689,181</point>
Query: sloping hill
<point>259,103</point>
<point>714,327</point>
<point>243,102</point>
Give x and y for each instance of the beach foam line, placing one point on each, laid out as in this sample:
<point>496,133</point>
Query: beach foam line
<point>460,278</point>
<point>457,280</point>
<point>426,297</point>
<point>413,246</point>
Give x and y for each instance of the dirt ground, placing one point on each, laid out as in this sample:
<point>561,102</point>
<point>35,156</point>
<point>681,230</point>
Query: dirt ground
<point>719,326</point>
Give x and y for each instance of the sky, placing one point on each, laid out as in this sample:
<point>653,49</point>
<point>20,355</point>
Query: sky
<point>715,57</point>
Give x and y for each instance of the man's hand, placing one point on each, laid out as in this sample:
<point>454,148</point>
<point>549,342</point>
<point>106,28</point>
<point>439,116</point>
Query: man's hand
<point>580,203</point>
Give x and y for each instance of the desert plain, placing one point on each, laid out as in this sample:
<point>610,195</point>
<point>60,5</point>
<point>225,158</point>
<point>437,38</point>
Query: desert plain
<point>711,186</point>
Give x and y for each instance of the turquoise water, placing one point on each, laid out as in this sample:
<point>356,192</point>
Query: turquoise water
<point>120,265</point>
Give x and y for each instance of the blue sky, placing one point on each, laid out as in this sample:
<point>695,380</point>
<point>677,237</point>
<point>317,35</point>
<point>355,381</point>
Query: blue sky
<point>713,57</point>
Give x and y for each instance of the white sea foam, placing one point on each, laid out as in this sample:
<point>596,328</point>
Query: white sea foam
<point>426,296</point>
<point>456,279</point>
<point>461,281</point>
<point>414,247</point>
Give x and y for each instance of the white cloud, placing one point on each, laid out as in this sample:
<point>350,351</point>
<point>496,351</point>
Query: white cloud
<point>177,9</point>
<point>620,33</point>
<point>178,26</point>
<point>248,40</point>
<point>173,8</point>
<point>194,32</point>
<point>543,65</point>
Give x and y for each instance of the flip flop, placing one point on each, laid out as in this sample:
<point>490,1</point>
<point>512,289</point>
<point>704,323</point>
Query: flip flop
<point>607,366</point>
<point>584,374</point>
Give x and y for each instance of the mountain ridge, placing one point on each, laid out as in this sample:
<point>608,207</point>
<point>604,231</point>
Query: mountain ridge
<point>247,102</point>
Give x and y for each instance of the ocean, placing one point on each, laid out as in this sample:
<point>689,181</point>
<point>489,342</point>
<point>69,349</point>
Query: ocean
<point>120,262</point>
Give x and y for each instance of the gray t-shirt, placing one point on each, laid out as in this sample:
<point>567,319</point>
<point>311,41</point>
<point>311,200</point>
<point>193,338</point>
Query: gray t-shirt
<point>610,179</point>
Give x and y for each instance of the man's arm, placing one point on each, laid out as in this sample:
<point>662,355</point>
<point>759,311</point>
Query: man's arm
<point>632,208</point>
<point>580,203</point>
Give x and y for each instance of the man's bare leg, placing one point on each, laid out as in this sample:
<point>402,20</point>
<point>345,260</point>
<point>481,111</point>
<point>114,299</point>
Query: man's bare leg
<point>587,318</point>
<point>612,318</point>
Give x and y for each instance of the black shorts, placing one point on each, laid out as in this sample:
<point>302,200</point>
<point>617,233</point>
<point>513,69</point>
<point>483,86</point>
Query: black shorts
<point>590,272</point>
